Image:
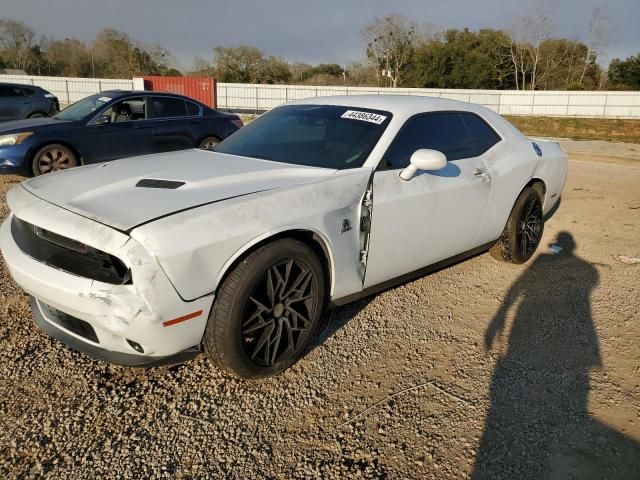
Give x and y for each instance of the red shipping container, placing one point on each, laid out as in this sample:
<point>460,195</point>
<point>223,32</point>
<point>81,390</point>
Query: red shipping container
<point>202,89</point>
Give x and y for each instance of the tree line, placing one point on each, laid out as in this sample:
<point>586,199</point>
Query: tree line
<point>112,54</point>
<point>397,52</point>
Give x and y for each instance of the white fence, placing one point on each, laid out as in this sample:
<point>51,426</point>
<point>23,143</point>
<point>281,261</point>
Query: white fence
<point>259,98</point>
<point>69,89</point>
<point>254,97</point>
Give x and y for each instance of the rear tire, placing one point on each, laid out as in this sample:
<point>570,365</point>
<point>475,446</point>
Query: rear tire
<point>266,310</point>
<point>209,143</point>
<point>523,232</point>
<point>51,158</point>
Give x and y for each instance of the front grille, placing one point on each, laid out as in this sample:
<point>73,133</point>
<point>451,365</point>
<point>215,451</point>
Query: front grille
<point>68,254</point>
<point>72,324</point>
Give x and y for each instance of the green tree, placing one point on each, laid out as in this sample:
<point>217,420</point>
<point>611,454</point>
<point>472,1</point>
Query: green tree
<point>68,58</point>
<point>172,72</point>
<point>238,64</point>
<point>116,55</point>
<point>463,59</point>
<point>244,64</point>
<point>274,70</point>
<point>625,73</point>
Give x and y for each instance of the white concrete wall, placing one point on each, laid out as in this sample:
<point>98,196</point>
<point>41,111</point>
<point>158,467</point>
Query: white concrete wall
<point>69,89</point>
<point>253,97</point>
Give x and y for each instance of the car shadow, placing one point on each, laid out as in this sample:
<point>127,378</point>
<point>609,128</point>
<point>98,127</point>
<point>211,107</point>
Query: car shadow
<point>334,319</point>
<point>538,424</point>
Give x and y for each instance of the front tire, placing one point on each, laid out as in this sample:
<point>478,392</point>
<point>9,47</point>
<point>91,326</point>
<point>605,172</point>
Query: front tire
<point>209,143</point>
<point>53,157</point>
<point>523,232</point>
<point>266,310</point>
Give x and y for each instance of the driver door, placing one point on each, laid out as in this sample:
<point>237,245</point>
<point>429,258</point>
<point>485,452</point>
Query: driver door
<point>435,215</point>
<point>122,130</point>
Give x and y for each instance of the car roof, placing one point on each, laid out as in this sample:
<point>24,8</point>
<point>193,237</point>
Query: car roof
<point>404,106</point>
<point>21,85</point>
<point>396,104</point>
<point>123,93</point>
<point>129,93</point>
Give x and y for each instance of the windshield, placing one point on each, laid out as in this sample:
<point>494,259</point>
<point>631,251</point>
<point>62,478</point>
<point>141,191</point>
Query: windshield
<point>314,135</point>
<point>84,107</point>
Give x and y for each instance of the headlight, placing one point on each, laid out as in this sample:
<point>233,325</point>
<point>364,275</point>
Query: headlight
<point>14,139</point>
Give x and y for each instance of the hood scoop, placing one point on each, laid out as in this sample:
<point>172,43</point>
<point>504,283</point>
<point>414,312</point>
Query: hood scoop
<point>155,183</point>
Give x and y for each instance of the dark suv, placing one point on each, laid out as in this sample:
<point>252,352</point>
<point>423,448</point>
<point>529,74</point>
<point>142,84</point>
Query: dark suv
<point>25,101</point>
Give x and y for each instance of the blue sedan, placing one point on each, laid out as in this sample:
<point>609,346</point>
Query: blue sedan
<point>108,126</point>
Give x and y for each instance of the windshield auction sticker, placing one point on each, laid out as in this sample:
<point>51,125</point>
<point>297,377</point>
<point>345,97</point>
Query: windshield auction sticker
<point>364,116</point>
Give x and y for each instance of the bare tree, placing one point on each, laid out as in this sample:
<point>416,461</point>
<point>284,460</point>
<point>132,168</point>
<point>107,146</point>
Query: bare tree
<point>199,64</point>
<point>16,44</point>
<point>599,35</point>
<point>518,58</point>
<point>527,39</point>
<point>299,70</point>
<point>389,44</point>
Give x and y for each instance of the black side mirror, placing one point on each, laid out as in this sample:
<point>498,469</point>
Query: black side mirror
<point>103,120</point>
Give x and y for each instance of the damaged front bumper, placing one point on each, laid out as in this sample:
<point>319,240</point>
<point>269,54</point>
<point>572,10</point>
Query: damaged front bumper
<point>53,322</point>
<point>143,321</point>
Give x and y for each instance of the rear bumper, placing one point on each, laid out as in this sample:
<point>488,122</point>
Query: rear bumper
<point>120,317</point>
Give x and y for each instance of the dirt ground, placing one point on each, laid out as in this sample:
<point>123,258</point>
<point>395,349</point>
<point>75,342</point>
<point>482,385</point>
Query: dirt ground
<point>482,370</point>
<point>615,130</point>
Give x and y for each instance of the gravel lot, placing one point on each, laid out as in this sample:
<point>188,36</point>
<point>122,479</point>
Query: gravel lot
<point>399,385</point>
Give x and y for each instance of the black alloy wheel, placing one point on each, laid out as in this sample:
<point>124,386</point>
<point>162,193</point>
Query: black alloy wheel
<point>277,317</point>
<point>529,229</point>
<point>266,310</point>
<point>523,232</point>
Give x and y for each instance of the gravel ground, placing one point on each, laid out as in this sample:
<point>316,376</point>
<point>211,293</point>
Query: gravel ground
<point>483,369</point>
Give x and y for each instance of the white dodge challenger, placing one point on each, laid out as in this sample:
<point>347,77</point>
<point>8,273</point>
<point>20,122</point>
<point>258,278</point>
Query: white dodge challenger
<point>237,252</point>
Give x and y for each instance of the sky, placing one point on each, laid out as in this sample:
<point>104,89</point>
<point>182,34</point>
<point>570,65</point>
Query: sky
<point>312,31</point>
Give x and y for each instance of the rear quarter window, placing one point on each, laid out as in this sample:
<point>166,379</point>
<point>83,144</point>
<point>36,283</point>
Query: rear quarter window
<point>482,135</point>
<point>192,109</point>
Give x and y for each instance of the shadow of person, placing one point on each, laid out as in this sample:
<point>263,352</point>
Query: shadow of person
<point>538,425</point>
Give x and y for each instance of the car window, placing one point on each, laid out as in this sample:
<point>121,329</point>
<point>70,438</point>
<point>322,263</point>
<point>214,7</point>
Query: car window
<point>192,108</point>
<point>295,130</point>
<point>10,92</point>
<point>482,135</point>
<point>28,91</point>
<point>129,110</point>
<point>83,108</point>
<point>327,136</point>
<point>444,132</point>
<point>168,107</point>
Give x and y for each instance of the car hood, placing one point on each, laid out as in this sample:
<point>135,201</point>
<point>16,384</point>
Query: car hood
<point>109,192</point>
<point>15,126</point>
